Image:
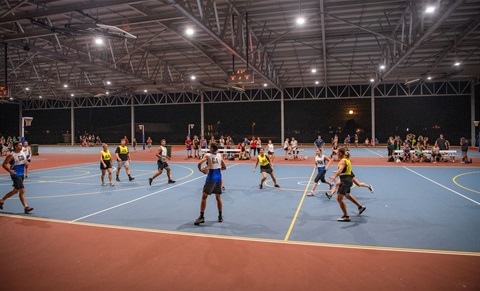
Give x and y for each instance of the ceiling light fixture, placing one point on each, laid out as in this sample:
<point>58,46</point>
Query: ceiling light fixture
<point>265,85</point>
<point>145,90</point>
<point>382,67</point>
<point>314,70</point>
<point>28,89</point>
<point>300,20</point>
<point>457,63</point>
<point>372,80</point>
<point>316,82</point>
<point>72,95</point>
<point>99,40</point>
<point>108,82</point>
<point>189,31</point>
<point>429,78</point>
<point>430,9</point>
<point>40,97</point>
<point>193,77</point>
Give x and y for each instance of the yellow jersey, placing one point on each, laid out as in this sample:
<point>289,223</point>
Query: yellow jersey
<point>106,156</point>
<point>263,161</point>
<point>347,171</point>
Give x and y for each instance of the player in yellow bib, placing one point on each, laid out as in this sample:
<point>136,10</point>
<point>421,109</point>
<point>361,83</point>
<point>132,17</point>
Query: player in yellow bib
<point>123,159</point>
<point>106,164</point>
<point>345,172</point>
<point>265,167</point>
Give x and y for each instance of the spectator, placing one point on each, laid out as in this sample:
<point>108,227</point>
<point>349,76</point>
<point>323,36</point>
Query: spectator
<point>390,148</point>
<point>441,143</point>
<point>464,144</point>
<point>319,142</point>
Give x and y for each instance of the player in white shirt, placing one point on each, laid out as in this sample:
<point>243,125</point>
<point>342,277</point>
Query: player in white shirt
<point>293,145</point>
<point>162,163</point>
<point>270,149</point>
<point>286,148</point>
<point>322,163</point>
<point>28,152</point>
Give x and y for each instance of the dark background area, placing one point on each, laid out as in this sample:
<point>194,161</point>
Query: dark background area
<point>304,119</point>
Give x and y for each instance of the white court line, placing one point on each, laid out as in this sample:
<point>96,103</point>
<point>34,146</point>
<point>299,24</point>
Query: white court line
<point>373,152</point>
<point>455,192</point>
<point>139,198</point>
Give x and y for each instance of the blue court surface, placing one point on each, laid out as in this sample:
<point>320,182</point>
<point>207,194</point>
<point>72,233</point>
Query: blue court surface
<point>430,208</point>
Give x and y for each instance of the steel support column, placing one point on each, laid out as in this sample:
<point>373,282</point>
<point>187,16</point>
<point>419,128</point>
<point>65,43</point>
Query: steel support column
<point>202,116</point>
<point>472,114</point>
<point>132,122</point>
<point>372,108</point>
<point>282,117</point>
<point>72,123</point>
<point>20,120</point>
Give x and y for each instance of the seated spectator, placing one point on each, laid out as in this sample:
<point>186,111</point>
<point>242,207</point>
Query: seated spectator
<point>367,142</point>
<point>436,156</point>
<point>334,155</point>
<point>407,153</point>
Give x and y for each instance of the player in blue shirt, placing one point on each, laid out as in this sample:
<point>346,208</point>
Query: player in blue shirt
<point>213,183</point>
<point>319,142</point>
<point>15,165</point>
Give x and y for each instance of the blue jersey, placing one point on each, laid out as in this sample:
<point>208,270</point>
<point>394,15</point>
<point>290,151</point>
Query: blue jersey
<point>215,167</point>
<point>319,143</point>
<point>18,163</point>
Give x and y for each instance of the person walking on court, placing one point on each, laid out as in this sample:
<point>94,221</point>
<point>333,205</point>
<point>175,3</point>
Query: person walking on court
<point>270,150</point>
<point>149,144</point>
<point>265,167</point>
<point>345,172</point>
<point>123,160</point>
<point>106,164</point>
<point>15,165</point>
<point>318,143</point>
<point>213,183</point>
<point>162,163</point>
<point>28,153</point>
<point>322,163</point>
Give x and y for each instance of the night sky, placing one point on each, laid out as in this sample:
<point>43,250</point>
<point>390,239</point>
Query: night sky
<point>428,116</point>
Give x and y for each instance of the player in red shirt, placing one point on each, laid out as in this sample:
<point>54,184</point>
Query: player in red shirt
<point>188,143</point>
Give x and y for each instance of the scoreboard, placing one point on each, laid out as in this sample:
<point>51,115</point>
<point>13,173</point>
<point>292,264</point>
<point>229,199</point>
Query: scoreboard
<point>240,76</point>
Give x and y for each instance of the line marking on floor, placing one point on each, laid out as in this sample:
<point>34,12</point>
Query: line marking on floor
<point>374,152</point>
<point>461,186</point>
<point>139,198</point>
<point>250,239</point>
<point>453,191</point>
<point>287,236</point>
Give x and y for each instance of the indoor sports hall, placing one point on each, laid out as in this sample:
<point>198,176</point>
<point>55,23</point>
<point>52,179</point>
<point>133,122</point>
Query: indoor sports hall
<point>151,84</point>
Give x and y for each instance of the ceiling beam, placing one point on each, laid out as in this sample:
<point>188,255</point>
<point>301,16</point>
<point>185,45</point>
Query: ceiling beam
<point>202,24</point>
<point>66,9</point>
<point>324,46</point>
<point>448,11</point>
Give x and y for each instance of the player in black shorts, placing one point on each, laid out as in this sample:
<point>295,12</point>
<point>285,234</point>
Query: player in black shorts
<point>162,163</point>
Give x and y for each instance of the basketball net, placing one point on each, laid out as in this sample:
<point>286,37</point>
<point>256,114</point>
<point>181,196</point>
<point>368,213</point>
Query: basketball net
<point>28,121</point>
<point>126,25</point>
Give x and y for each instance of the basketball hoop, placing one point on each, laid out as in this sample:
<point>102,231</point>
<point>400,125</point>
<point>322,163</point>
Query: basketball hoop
<point>476,123</point>
<point>28,121</point>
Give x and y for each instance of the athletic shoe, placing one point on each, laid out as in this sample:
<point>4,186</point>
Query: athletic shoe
<point>1,204</point>
<point>118,179</point>
<point>131,178</point>
<point>223,188</point>
<point>199,220</point>
<point>344,219</point>
<point>370,187</point>
<point>310,193</point>
<point>28,209</point>
<point>328,196</point>
<point>330,187</point>
<point>150,180</point>
<point>171,181</point>
<point>260,186</point>
<point>361,209</point>
<point>26,177</point>
<point>277,186</point>
<point>220,218</point>
<point>111,184</point>
<point>104,184</point>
